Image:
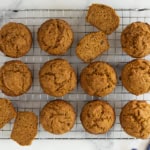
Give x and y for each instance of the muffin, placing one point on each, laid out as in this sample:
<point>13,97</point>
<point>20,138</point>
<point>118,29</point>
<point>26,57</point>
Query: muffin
<point>135,76</point>
<point>7,112</point>
<point>135,39</point>
<point>55,36</point>
<point>135,119</point>
<point>25,128</point>
<point>97,117</point>
<point>15,78</point>
<point>98,79</point>
<point>15,39</point>
<point>91,46</point>
<point>57,117</point>
<point>57,77</point>
<point>103,17</point>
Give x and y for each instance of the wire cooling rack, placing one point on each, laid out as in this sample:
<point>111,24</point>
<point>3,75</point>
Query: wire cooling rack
<point>35,99</point>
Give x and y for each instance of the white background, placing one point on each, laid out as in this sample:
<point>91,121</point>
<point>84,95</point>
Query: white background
<point>73,144</point>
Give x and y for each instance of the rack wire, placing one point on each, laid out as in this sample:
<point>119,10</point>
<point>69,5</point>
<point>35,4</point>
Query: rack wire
<point>35,99</point>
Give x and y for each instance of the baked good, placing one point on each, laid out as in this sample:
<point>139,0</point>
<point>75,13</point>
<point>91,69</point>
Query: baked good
<point>97,117</point>
<point>25,128</point>
<point>103,17</point>
<point>57,77</point>
<point>55,36</point>
<point>135,76</point>
<point>15,39</point>
<point>98,79</point>
<point>135,119</point>
<point>135,39</point>
<point>15,78</point>
<point>91,46</point>
<point>7,111</point>
<point>57,117</point>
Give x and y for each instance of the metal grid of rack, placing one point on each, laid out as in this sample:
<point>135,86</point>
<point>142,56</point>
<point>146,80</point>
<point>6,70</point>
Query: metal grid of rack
<point>35,99</point>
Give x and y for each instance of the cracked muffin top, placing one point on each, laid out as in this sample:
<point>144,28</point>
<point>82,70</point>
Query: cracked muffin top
<point>98,79</point>
<point>7,112</point>
<point>97,117</point>
<point>135,119</point>
<point>135,39</point>
<point>57,116</point>
<point>15,78</point>
<point>55,36</point>
<point>15,39</point>
<point>57,77</point>
<point>135,76</point>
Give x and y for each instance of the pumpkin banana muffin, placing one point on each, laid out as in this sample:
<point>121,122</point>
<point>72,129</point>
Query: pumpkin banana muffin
<point>103,17</point>
<point>91,46</point>
<point>135,39</point>
<point>135,119</point>
<point>25,128</point>
<point>97,117</point>
<point>57,117</point>
<point>135,76</point>
<point>15,39</point>
<point>15,78</point>
<point>55,36</point>
<point>7,111</point>
<point>57,77</point>
<point>98,79</point>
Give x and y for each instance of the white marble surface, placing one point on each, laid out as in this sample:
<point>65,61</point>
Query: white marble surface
<point>74,144</point>
<point>77,145</point>
<point>72,4</point>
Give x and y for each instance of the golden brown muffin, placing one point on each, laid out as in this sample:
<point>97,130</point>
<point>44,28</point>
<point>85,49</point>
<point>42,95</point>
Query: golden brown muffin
<point>7,111</point>
<point>135,119</point>
<point>135,39</point>
<point>15,39</point>
<point>97,117</point>
<point>25,128</point>
<point>57,77</point>
<point>103,17</point>
<point>57,117</point>
<point>55,36</point>
<point>92,45</point>
<point>98,79</point>
<point>135,76</point>
<point>15,78</point>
